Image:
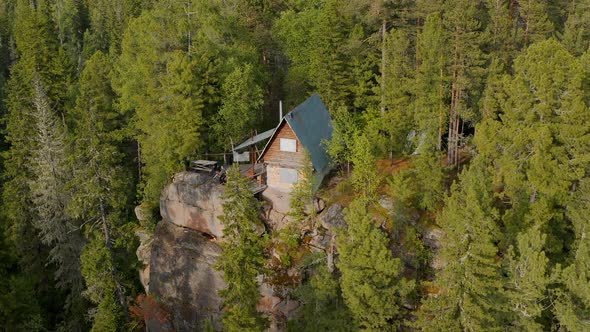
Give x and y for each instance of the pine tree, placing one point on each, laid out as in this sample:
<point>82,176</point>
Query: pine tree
<point>242,258</point>
<point>528,280</point>
<point>323,307</point>
<point>103,288</point>
<point>371,280</point>
<point>301,201</point>
<point>465,39</point>
<point>430,110</point>
<point>572,305</point>
<point>502,32</point>
<point>397,113</point>
<point>576,36</point>
<point>100,197</point>
<point>537,26</point>
<point>365,178</point>
<point>240,112</point>
<point>345,127</point>
<point>162,89</point>
<point>535,140</point>
<point>471,294</point>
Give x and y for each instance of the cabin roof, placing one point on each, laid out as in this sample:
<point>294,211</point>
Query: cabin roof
<point>256,139</point>
<point>312,124</point>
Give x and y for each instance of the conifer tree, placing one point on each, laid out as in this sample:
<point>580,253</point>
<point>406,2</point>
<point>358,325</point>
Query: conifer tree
<point>397,116</point>
<point>371,280</point>
<point>430,110</point>
<point>340,147</point>
<point>37,57</point>
<point>576,36</point>
<point>465,39</point>
<point>323,307</point>
<point>99,195</point>
<point>502,34</point>
<point>528,280</point>
<point>240,112</point>
<point>537,26</point>
<point>301,200</point>
<point>50,197</point>
<point>242,258</point>
<point>365,179</point>
<point>471,284</point>
<point>162,88</point>
<point>572,304</point>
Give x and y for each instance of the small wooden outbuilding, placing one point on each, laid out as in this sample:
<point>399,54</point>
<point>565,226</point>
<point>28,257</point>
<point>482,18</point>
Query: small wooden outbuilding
<point>307,127</point>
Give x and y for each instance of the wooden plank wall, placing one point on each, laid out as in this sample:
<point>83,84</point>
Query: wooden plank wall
<point>274,153</point>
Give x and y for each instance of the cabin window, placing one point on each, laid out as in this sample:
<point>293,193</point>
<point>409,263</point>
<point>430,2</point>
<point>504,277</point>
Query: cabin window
<point>288,145</point>
<point>288,175</point>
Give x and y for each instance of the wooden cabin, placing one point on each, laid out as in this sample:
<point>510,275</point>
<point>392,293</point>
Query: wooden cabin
<point>306,127</point>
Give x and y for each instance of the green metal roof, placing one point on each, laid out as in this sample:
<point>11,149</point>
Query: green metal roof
<point>312,124</point>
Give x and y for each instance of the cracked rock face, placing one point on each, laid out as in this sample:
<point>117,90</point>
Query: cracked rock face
<point>183,278</point>
<point>194,200</point>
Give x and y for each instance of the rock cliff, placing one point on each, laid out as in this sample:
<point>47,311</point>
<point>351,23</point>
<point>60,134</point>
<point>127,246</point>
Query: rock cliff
<point>179,257</point>
<point>194,200</point>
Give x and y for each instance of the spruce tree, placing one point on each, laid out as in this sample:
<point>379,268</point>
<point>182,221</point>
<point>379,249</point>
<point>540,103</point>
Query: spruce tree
<point>242,257</point>
<point>160,85</point>
<point>528,280</point>
<point>572,304</point>
<point>537,26</point>
<point>430,109</point>
<point>371,280</point>
<point>50,197</point>
<point>461,19</point>
<point>323,307</point>
<point>397,115</point>
<point>240,112</point>
<point>100,196</point>
<point>471,295</point>
<point>576,36</point>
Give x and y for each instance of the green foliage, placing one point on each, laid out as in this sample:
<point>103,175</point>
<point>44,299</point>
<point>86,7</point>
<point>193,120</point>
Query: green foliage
<point>365,178</point>
<point>430,109</point>
<point>535,14</point>
<point>430,176</point>
<point>528,273</point>
<point>302,195</point>
<point>371,280</point>
<point>471,295</point>
<point>323,307</point>
<point>398,75</point>
<point>242,258</point>
<point>97,269</point>
<point>240,109</point>
<point>85,131</point>
<point>345,128</point>
<point>576,36</point>
<point>159,83</point>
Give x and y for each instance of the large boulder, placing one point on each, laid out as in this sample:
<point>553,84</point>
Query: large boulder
<point>332,217</point>
<point>183,278</point>
<point>194,200</point>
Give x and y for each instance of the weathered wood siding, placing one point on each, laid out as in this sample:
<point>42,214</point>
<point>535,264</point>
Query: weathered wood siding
<point>275,159</point>
<point>274,153</point>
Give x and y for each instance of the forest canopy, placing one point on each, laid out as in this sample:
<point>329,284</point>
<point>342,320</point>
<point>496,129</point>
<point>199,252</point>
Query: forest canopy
<point>486,101</point>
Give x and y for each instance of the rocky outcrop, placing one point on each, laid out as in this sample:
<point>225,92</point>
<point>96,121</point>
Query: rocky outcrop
<point>194,200</point>
<point>179,257</point>
<point>183,278</point>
